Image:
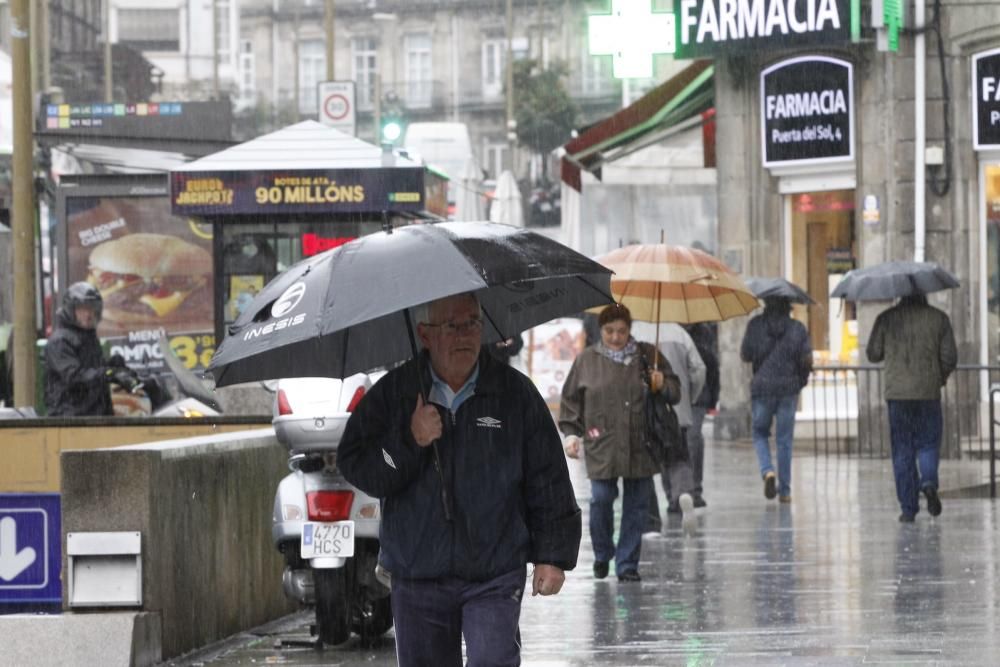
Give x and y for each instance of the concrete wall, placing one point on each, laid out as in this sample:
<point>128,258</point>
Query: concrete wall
<point>750,207</point>
<point>30,449</point>
<point>203,506</point>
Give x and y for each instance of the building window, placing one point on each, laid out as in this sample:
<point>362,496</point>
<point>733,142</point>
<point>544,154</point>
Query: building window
<point>418,71</point>
<point>312,70</point>
<point>494,55</point>
<point>150,29</point>
<point>247,73</point>
<point>596,77</point>
<point>363,69</point>
<point>496,157</point>
<point>222,29</point>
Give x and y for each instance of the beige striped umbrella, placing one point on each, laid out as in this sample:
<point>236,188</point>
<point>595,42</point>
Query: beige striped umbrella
<point>664,283</point>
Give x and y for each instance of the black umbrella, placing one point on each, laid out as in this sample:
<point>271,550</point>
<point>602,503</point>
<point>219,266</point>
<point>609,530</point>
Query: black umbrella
<point>891,280</point>
<point>347,310</point>
<point>764,288</point>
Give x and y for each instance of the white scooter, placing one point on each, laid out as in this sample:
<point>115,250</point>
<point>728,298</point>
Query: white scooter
<point>327,529</point>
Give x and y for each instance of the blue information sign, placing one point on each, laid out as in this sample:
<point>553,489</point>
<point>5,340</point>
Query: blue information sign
<point>30,548</point>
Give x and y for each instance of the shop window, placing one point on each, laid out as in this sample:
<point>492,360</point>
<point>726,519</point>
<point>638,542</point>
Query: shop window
<point>822,249</point>
<point>992,208</point>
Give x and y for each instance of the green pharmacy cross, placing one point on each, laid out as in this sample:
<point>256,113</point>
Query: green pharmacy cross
<point>632,33</point>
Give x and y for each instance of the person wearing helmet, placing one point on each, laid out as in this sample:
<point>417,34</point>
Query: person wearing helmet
<point>76,374</point>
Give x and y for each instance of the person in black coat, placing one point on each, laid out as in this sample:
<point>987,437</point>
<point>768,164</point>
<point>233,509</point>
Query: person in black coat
<point>76,374</point>
<point>778,348</point>
<point>465,456</point>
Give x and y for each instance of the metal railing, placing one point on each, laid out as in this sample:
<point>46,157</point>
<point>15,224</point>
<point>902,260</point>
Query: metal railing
<point>843,412</point>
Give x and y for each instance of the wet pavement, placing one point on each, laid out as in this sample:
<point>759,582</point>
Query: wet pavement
<point>830,579</point>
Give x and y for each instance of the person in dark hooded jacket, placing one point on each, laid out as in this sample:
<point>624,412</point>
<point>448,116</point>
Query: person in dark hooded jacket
<point>779,351</point>
<point>76,375</point>
<point>465,456</point>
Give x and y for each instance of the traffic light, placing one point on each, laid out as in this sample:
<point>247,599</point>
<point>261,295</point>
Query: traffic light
<point>391,124</point>
<point>391,130</point>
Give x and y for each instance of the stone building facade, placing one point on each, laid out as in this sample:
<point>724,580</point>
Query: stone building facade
<point>440,60</point>
<point>812,221</point>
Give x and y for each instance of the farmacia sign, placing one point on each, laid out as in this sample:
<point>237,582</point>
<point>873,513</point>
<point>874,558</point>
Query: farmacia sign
<point>807,111</point>
<point>706,28</point>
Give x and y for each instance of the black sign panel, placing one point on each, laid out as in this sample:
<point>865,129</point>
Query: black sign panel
<point>807,111</point>
<point>395,189</point>
<point>986,102</point>
<point>191,121</point>
<point>708,28</point>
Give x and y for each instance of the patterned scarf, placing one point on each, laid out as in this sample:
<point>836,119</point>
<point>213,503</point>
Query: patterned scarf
<point>622,356</point>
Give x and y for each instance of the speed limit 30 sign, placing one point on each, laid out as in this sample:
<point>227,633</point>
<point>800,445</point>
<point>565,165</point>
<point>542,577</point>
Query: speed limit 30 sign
<point>336,106</point>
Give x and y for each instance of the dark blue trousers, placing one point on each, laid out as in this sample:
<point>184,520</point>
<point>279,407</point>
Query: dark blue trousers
<point>431,616</point>
<point>915,431</point>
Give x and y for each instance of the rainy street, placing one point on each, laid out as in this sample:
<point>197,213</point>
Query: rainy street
<point>830,579</point>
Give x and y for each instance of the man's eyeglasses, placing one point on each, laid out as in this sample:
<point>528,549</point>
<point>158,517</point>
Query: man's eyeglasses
<point>475,325</point>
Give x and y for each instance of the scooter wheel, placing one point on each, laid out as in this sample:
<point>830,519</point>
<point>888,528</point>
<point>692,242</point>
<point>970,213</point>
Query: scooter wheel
<point>333,605</point>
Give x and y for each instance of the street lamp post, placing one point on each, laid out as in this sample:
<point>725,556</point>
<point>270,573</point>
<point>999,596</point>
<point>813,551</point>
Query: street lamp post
<point>108,68</point>
<point>511,135</point>
<point>328,15</point>
<point>23,214</point>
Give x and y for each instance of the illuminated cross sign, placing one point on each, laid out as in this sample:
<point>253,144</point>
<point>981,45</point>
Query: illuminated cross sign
<point>632,33</point>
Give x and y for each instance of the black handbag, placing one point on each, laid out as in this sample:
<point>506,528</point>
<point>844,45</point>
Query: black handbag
<point>662,435</point>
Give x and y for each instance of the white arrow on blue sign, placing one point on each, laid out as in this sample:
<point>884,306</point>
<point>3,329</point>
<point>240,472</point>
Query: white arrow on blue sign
<point>30,548</point>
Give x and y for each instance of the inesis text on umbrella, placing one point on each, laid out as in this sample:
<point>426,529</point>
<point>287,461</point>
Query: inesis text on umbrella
<point>285,303</point>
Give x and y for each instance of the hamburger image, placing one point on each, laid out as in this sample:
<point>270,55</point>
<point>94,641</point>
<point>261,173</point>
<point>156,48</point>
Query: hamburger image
<point>152,279</point>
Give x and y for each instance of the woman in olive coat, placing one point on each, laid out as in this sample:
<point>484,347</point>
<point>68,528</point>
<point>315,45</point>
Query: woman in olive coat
<point>602,413</point>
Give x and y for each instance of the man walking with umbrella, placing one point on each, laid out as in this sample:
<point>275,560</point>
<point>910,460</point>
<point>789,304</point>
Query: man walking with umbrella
<point>917,343</point>
<point>466,458</point>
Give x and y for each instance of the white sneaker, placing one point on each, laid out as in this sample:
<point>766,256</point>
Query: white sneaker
<point>688,520</point>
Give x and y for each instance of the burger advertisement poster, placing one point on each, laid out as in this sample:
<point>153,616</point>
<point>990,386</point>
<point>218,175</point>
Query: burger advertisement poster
<point>154,272</point>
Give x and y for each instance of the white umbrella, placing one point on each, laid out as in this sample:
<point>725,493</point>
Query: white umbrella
<point>468,195</point>
<point>506,207</point>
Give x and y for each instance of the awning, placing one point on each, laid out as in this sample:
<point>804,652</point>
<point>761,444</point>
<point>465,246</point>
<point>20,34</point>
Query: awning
<point>675,104</point>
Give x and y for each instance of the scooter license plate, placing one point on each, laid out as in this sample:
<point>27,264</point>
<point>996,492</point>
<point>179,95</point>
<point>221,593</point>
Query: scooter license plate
<point>327,540</point>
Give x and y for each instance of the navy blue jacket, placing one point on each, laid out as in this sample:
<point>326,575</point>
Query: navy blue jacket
<point>503,465</point>
<point>778,348</point>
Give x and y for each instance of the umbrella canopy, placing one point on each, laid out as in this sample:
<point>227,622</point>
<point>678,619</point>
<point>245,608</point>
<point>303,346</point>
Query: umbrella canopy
<point>506,206</point>
<point>346,310</point>
<point>663,283</point>
<point>780,288</point>
<point>891,280</point>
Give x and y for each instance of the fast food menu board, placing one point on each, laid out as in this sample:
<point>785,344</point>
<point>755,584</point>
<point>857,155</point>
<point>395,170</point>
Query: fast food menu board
<point>154,271</point>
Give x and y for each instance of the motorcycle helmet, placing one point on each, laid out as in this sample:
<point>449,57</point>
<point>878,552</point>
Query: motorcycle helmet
<point>83,294</point>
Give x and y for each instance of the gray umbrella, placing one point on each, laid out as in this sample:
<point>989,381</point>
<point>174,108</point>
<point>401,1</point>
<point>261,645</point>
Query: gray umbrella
<point>764,288</point>
<point>347,310</point>
<point>891,280</point>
